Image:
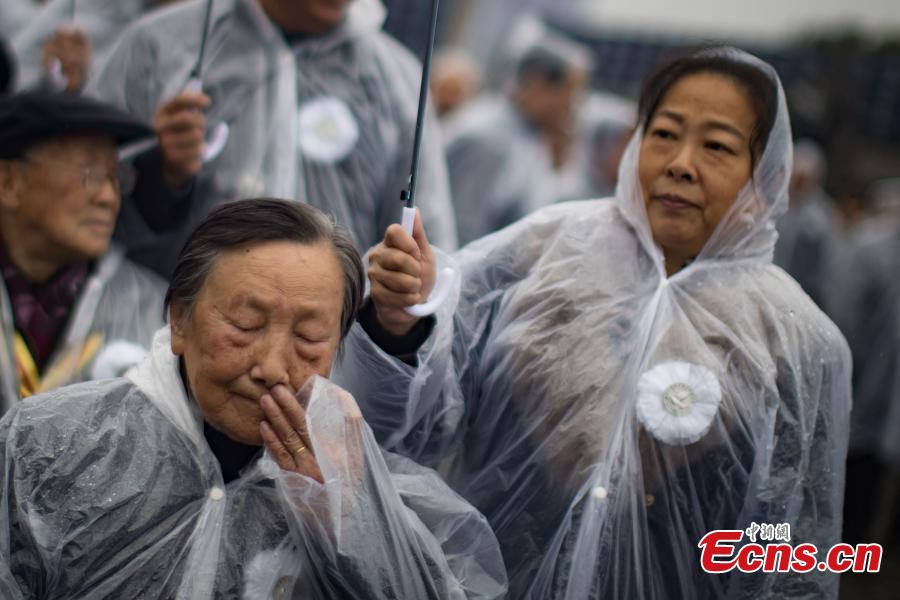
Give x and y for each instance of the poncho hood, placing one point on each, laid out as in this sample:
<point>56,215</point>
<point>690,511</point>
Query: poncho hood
<point>747,231</point>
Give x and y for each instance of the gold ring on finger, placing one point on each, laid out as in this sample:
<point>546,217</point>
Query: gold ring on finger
<point>299,450</point>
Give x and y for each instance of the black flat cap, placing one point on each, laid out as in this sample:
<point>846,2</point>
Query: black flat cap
<point>29,118</point>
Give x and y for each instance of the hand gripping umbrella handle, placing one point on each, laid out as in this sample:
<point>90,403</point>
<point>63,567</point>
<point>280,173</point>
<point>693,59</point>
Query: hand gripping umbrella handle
<point>444,280</point>
<point>216,142</point>
<point>214,145</point>
<point>58,81</point>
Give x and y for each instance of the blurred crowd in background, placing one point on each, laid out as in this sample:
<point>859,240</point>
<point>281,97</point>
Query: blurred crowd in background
<point>536,105</point>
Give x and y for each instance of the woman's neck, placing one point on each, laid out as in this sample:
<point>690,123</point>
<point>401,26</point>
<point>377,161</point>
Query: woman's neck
<point>28,252</point>
<point>674,263</point>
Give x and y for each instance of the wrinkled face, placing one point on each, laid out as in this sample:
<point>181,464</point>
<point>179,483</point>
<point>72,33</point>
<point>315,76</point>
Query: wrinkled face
<point>310,16</point>
<point>267,314</point>
<point>65,197</point>
<point>695,157</point>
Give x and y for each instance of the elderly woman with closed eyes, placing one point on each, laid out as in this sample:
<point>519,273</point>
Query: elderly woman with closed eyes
<point>226,465</point>
<point>619,377</point>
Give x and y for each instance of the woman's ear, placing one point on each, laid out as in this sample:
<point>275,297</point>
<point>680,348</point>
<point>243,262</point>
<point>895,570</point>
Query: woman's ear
<point>177,324</point>
<point>12,184</point>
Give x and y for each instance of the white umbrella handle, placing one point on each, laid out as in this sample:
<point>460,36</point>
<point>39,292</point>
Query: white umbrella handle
<point>58,81</point>
<point>214,145</point>
<point>216,142</point>
<point>444,277</point>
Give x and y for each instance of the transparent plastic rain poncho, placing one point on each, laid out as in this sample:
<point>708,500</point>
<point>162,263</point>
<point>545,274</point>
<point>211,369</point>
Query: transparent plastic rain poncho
<point>101,20</point>
<point>500,168</point>
<point>604,417</point>
<point>110,491</point>
<point>329,121</point>
<point>109,330</point>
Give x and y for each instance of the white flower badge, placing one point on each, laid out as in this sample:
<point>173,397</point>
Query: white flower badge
<point>677,401</point>
<point>327,130</point>
<point>271,575</point>
<point>116,358</point>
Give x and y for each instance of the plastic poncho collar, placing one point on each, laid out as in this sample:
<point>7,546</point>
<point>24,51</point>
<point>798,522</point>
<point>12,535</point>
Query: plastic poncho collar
<point>109,490</point>
<point>604,417</point>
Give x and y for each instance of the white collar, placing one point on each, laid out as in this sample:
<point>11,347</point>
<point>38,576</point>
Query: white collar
<point>159,378</point>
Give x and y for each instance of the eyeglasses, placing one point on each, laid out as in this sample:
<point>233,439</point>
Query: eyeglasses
<point>122,178</point>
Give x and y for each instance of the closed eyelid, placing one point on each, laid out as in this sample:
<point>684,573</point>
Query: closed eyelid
<point>244,327</point>
<point>313,337</point>
<point>243,304</point>
<point>240,317</point>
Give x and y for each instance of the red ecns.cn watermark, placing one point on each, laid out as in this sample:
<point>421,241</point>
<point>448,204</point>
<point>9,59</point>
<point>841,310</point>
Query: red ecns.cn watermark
<point>722,551</point>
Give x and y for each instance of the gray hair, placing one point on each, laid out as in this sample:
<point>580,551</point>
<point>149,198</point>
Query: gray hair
<point>259,220</point>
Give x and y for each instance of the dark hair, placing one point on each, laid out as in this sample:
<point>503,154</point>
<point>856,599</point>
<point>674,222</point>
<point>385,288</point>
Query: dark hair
<point>760,88</point>
<point>552,60</point>
<point>255,221</point>
<point>539,62</point>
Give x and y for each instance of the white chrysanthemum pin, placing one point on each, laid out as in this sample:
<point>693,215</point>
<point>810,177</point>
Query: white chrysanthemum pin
<point>327,130</point>
<point>677,401</point>
<point>265,576</point>
<point>117,357</point>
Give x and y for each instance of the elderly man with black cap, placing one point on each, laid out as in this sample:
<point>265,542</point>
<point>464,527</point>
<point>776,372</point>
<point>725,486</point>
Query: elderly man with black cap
<point>72,307</point>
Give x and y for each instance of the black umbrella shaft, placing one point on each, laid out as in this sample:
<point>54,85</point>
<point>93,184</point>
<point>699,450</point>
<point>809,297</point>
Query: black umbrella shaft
<point>198,68</point>
<point>410,194</point>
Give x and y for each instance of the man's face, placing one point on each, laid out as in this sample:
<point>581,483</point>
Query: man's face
<point>268,314</point>
<point>64,196</point>
<point>307,16</point>
<point>551,105</point>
